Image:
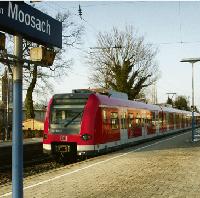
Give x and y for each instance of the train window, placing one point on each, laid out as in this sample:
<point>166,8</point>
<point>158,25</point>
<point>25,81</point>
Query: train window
<point>58,116</point>
<point>138,120</point>
<point>130,120</point>
<point>154,118</point>
<point>66,121</point>
<point>70,101</point>
<point>154,115</point>
<point>184,120</point>
<point>177,119</point>
<point>104,116</point>
<point>171,118</point>
<point>149,120</point>
<point>63,115</point>
<point>114,120</point>
<point>164,118</point>
<point>167,118</point>
<point>160,119</point>
<point>123,120</point>
<point>143,119</point>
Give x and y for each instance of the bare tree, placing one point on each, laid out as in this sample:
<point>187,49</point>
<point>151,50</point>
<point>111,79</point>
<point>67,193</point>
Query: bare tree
<point>36,76</point>
<point>123,62</point>
<point>39,76</point>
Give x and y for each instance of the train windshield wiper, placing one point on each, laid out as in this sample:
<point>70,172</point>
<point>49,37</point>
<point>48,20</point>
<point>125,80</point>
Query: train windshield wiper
<point>76,116</point>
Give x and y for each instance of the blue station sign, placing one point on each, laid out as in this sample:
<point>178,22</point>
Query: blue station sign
<point>20,18</point>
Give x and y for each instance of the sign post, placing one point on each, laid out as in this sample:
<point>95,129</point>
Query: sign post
<point>24,21</point>
<point>19,18</point>
<point>17,137</point>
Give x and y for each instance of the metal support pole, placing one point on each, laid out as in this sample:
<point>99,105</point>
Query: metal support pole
<point>192,102</point>
<point>192,60</point>
<point>17,138</point>
<point>7,107</point>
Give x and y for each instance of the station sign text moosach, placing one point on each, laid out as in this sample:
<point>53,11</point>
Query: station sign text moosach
<point>32,24</point>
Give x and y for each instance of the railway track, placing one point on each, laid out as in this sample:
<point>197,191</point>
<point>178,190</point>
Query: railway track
<point>38,165</point>
<point>32,149</point>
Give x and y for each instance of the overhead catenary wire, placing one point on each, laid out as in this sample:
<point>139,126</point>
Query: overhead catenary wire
<point>90,5</point>
<point>180,25</point>
<point>57,7</point>
<point>80,13</point>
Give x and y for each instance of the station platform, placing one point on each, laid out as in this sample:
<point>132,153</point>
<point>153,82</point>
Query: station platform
<point>31,147</point>
<point>167,167</point>
<point>25,141</point>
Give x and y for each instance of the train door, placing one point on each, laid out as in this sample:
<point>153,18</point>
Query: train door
<point>150,123</point>
<point>123,126</point>
<point>157,122</point>
<point>144,123</point>
<point>138,123</point>
<point>160,121</point>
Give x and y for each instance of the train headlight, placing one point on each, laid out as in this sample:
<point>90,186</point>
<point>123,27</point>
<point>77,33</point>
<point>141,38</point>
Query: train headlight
<point>86,137</point>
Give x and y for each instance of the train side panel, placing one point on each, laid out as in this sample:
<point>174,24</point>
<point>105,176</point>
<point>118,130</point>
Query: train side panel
<point>89,126</point>
<point>109,122</point>
<point>46,139</point>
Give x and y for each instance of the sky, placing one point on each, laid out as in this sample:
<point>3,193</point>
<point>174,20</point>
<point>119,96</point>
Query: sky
<point>173,27</point>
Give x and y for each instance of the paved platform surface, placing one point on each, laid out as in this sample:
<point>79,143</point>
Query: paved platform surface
<point>168,167</point>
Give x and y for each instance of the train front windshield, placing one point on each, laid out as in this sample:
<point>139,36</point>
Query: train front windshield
<point>66,118</point>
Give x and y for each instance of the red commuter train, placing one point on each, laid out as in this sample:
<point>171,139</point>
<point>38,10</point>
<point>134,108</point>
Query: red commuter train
<point>85,123</point>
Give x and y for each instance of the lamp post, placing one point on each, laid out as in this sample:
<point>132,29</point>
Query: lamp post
<point>192,61</point>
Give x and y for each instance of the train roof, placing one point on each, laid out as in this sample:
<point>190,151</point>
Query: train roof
<point>71,95</point>
<point>115,102</point>
<point>106,100</point>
